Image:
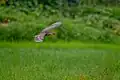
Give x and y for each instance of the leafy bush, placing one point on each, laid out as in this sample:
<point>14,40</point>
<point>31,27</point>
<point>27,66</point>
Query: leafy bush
<point>86,26</point>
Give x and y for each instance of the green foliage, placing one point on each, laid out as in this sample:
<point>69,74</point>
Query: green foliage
<point>56,3</point>
<point>89,24</point>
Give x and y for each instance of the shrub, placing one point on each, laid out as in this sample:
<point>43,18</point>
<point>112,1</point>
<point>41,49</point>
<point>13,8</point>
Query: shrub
<point>88,27</point>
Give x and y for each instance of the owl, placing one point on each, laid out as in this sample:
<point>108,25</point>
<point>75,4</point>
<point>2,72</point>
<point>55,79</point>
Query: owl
<point>46,32</point>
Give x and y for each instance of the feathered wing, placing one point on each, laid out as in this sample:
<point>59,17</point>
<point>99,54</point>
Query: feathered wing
<point>55,25</point>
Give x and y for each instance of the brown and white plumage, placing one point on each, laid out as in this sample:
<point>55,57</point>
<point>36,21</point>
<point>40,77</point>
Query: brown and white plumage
<point>46,31</point>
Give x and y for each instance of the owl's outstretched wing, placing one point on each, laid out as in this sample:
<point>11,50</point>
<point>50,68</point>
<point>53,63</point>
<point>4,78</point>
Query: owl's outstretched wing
<point>54,25</point>
<point>41,35</point>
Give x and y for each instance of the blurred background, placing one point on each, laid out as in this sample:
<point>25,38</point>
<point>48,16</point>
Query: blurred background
<point>83,20</point>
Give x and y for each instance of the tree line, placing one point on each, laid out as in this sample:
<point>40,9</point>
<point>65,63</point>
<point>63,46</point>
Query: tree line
<point>34,3</point>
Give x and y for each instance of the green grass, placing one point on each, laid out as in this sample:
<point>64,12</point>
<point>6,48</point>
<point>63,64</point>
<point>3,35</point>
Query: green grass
<point>62,62</point>
<point>60,44</point>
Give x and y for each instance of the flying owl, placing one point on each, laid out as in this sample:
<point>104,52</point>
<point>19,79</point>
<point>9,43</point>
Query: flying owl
<point>46,32</point>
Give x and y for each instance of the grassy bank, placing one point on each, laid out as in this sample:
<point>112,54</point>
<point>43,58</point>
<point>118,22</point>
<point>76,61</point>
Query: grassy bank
<point>69,45</point>
<point>59,64</point>
<point>59,61</point>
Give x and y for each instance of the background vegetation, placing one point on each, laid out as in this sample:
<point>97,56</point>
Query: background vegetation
<point>83,20</point>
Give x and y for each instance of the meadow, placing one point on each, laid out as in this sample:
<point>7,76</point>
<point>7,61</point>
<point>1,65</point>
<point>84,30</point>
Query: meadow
<point>56,61</point>
<point>85,47</point>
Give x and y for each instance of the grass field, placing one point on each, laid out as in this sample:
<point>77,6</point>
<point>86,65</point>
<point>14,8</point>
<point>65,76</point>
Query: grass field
<point>55,61</point>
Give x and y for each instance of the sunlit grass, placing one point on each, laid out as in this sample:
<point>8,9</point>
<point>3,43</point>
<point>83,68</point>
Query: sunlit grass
<point>59,61</point>
<point>59,44</point>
